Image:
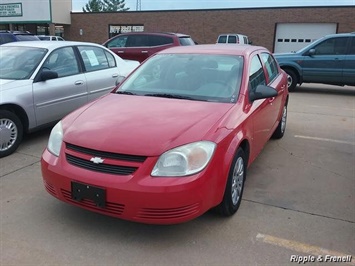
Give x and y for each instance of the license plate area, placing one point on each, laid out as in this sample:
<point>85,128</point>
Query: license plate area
<point>81,191</point>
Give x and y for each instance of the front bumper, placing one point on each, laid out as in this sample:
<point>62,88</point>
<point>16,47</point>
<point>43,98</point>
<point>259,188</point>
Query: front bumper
<point>135,197</point>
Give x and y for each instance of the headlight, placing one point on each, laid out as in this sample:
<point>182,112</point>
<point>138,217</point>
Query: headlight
<point>55,139</point>
<point>184,160</point>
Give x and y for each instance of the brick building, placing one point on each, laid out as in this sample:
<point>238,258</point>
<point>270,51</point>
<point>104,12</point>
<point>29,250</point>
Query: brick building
<point>262,25</point>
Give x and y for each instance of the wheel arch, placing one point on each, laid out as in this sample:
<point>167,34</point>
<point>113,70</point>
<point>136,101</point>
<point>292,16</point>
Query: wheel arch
<point>236,143</point>
<point>295,70</point>
<point>19,112</point>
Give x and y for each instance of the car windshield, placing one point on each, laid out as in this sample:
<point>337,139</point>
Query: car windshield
<point>200,77</point>
<point>19,62</point>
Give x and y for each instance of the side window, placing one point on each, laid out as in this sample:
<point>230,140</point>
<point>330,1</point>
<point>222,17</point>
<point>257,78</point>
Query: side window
<point>222,39</point>
<point>159,40</point>
<point>271,66</point>
<point>256,74</point>
<point>120,41</point>
<point>137,41</point>
<point>5,38</point>
<point>333,46</point>
<point>63,61</point>
<point>95,58</point>
<point>352,46</point>
<point>111,60</point>
<point>232,39</point>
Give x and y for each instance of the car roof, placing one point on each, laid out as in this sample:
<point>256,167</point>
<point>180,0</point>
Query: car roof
<point>223,34</point>
<point>48,44</point>
<point>346,34</point>
<point>220,49</point>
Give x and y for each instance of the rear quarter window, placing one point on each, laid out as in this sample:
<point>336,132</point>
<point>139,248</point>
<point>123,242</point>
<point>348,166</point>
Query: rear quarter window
<point>159,40</point>
<point>184,41</point>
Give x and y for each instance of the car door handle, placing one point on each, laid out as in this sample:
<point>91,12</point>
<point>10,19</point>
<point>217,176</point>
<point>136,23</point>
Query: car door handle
<point>271,99</point>
<point>79,82</point>
<point>144,52</point>
<point>115,75</point>
<point>119,52</point>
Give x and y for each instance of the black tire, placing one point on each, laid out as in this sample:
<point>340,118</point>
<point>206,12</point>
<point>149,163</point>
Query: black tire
<point>291,79</point>
<point>11,132</point>
<point>280,130</point>
<point>235,185</point>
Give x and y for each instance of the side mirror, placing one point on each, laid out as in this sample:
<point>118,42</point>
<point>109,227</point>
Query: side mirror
<point>262,92</point>
<point>48,74</point>
<point>311,52</point>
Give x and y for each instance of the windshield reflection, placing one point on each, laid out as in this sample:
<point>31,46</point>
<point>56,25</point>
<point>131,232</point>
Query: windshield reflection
<point>18,63</point>
<point>200,77</point>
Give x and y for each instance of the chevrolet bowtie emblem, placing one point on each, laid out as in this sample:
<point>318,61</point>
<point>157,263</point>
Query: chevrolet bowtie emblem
<point>96,160</point>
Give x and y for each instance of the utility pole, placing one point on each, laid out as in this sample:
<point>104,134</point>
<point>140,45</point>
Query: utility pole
<point>138,5</point>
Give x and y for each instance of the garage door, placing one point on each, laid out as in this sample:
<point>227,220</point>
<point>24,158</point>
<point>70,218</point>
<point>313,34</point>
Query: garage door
<point>291,37</point>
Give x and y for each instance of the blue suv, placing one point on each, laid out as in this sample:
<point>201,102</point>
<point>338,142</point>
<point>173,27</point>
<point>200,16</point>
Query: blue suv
<point>329,60</point>
<point>16,36</point>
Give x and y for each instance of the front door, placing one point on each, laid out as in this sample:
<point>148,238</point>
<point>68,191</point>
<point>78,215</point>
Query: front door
<point>55,98</point>
<point>326,63</point>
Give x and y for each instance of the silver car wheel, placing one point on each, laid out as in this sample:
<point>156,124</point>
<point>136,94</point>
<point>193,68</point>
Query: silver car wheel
<point>8,134</point>
<point>289,81</point>
<point>237,180</point>
<point>283,119</point>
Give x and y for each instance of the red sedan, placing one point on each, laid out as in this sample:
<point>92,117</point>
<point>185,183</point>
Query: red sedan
<point>174,139</point>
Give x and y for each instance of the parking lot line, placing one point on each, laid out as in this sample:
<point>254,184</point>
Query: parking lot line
<point>325,139</point>
<point>304,248</point>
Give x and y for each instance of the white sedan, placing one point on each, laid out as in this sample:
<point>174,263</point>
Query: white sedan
<point>42,81</point>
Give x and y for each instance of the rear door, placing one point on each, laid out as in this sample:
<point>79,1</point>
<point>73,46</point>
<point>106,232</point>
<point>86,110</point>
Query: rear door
<point>349,64</point>
<point>132,47</point>
<point>100,70</point>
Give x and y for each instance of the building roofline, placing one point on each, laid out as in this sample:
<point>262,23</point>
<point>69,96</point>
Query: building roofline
<point>218,9</point>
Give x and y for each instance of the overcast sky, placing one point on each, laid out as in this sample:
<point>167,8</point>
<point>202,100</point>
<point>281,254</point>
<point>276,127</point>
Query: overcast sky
<point>209,4</point>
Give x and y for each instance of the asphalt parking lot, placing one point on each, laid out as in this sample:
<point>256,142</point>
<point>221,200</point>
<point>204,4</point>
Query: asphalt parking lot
<point>299,204</point>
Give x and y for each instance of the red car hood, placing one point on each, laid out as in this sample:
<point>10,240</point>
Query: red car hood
<point>141,125</point>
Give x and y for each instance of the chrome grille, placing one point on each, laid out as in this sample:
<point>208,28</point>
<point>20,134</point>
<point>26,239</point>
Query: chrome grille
<point>108,155</point>
<point>103,168</point>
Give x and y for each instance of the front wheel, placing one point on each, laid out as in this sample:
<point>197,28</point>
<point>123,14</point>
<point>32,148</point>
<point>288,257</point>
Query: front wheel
<point>235,185</point>
<point>291,79</point>
<point>281,127</point>
<point>11,132</point>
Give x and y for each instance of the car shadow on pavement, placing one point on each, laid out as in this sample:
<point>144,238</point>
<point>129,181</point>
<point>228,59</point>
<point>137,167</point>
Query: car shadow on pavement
<point>323,89</point>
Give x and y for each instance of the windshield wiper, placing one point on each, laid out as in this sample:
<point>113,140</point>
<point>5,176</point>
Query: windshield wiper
<point>125,92</point>
<point>167,95</point>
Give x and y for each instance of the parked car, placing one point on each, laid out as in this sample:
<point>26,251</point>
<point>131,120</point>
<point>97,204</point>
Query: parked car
<point>233,38</point>
<point>329,60</point>
<point>50,38</point>
<point>40,82</point>
<point>140,45</point>
<point>174,139</point>
<point>16,36</point>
